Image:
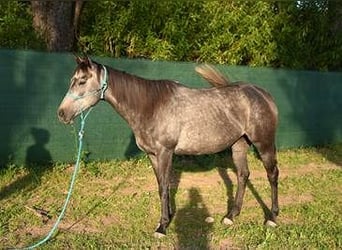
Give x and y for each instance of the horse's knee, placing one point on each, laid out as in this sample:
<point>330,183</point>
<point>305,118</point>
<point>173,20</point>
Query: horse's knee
<point>243,175</point>
<point>273,174</point>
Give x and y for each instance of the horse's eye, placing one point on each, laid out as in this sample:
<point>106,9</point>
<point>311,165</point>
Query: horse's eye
<point>82,81</point>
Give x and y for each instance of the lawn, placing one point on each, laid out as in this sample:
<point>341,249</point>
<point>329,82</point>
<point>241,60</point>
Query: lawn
<point>115,204</point>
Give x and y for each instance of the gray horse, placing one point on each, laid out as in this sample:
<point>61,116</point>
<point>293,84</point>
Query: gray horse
<point>169,118</point>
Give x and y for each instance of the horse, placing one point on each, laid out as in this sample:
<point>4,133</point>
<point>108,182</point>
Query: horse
<point>169,118</point>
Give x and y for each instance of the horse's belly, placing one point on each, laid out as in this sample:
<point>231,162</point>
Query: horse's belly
<point>195,142</point>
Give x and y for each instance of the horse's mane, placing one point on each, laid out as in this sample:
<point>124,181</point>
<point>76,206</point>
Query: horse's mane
<point>141,95</point>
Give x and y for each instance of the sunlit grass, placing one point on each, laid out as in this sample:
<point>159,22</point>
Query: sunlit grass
<point>115,204</point>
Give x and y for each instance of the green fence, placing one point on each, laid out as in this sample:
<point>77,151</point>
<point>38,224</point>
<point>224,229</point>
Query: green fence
<point>33,84</point>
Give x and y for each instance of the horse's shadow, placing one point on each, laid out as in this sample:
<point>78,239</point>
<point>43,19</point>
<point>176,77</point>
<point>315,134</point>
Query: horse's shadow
<point>189,223</point>
<point>222,162</point>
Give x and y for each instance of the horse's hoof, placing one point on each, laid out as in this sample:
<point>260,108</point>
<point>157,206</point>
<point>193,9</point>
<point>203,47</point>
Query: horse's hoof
<point>209,220</point>
<point>270,223</point>
<point>158,235</point>
<point>160,232</point>
<point>227,222</point>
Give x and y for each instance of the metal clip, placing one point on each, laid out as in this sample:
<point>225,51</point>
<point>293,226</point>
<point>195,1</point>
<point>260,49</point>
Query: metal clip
<point>80,134</point>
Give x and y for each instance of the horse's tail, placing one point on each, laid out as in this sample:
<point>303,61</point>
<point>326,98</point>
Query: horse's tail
<point>213,76</point>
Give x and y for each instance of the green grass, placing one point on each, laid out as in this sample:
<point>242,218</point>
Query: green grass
<point>115,204</point>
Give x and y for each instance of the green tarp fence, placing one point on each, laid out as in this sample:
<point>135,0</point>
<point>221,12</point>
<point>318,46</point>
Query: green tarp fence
<point>33,84</point>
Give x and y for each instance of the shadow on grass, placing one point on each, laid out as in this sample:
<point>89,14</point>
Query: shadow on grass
<point>222,162</point>
<point>38,162</point>
<point>190,225</point>
<point>191,229</point>
<point>332,152</point>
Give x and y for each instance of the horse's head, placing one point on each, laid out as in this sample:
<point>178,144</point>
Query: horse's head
<point>87,87</point>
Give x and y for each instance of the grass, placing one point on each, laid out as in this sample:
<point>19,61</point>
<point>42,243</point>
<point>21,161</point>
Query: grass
<point>115,204</point>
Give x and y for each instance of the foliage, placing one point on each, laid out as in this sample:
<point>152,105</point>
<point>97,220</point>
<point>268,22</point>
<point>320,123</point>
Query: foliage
<point>305,39</point>
<point>291,34</point>
<point>16,29</point>
<point>153,29</point>
<point>256,33</point>
<point>239,33</point>
<point>215,31</point>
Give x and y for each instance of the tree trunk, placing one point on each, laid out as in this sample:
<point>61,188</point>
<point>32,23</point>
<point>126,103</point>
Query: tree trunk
<point>57,22</point>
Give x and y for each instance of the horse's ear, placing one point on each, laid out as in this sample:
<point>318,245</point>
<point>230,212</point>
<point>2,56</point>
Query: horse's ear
<point>88,61</point>
<point>85,60</point>
<point>78,59</point>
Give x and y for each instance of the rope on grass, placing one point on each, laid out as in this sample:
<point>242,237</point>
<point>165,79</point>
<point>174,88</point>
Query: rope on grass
<point>71,186</point>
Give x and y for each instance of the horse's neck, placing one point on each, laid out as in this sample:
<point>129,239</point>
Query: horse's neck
<point>136,99</point>
<point>130,115</point>
<point>125,109</point>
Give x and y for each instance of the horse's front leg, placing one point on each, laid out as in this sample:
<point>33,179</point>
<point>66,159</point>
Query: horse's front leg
<point>161,163</point>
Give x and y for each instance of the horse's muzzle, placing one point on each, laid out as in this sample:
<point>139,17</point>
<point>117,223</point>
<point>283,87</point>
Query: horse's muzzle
<point>62,117</point>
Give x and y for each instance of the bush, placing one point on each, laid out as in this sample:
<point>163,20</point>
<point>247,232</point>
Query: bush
<point>153,29</point>
<point>16,29</point>
<point>255,33</point>
<point>291,34</point>
<point>304,39</point>
<point>240,33</point>
<point>214,31</point>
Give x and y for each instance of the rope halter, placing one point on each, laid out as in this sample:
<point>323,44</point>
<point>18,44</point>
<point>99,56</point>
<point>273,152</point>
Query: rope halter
<point>102,89</point>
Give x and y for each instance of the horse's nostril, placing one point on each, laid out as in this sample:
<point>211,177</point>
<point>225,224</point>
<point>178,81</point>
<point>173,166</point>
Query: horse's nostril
<point>60,113</point>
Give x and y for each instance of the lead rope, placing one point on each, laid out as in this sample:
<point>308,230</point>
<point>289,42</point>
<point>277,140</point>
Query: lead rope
<point>71,186</point>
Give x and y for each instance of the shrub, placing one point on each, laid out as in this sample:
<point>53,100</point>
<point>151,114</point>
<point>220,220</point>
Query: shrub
<point>16,29</point>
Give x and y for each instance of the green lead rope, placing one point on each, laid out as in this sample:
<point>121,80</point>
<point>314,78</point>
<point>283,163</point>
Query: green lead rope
<point>71,186</point>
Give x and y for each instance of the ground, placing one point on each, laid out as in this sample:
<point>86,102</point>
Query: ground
<point>115,204</point>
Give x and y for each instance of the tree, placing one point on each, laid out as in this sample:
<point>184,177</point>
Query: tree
<point>57,22</point>
<point>16,29</point>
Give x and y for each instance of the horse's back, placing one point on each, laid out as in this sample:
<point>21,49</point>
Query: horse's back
<point>210,120</point>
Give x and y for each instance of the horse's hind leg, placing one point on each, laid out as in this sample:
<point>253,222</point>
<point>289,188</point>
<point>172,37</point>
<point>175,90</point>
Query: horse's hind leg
<point>268,156</point>
<point>239,155</point>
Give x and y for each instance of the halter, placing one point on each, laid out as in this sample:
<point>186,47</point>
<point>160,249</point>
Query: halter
<point>103,88</point>
<point>104,84</point>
